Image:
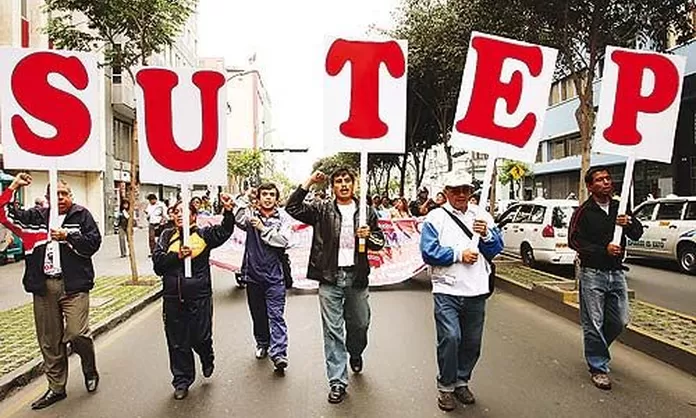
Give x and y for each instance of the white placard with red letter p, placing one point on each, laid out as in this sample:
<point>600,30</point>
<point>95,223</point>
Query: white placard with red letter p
<point>365,95</point>
<point>52,110</point>
<point>639,104</point>
<point>181,126</point>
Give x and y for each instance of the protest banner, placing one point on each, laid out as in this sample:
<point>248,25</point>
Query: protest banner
<point>638,110</point>
<point>51,113</point>
<point>397,262</point>
<point>182,126</point>
<point>502,101</point>
<point>365,108</point>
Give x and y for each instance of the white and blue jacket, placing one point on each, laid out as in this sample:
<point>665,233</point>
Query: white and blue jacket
<point>442,243</point>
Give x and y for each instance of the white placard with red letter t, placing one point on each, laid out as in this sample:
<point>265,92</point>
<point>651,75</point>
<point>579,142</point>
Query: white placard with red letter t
<point>181,126</point>
<point>365,95</point>
<point>51,104</point>
<point>639,104</point>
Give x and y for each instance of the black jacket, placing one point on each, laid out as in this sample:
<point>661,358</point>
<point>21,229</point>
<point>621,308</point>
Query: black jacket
<point>591,230</point>
<point>325,218</point>
<point>83,241</point>
<point>167,264</point>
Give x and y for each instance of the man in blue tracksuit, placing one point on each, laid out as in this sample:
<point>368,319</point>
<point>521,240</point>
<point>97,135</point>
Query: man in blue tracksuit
<point>268,233</point>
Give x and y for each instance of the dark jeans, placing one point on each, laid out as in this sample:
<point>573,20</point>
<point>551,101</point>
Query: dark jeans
<point>603,313</point>
<point>459,324</point>
<point>341,304</point>
<point>267,306</point>
<point>189,327</point>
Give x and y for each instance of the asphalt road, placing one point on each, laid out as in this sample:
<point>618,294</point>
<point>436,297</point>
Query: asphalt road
<point>531,366</point>
<point>655,281</point>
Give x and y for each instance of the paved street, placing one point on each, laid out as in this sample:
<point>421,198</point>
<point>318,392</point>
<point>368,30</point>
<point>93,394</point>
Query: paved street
<point>107,262</point>
<point>531,367</point>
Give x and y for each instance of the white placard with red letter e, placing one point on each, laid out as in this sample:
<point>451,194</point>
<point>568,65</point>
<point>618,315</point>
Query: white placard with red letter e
<point>639,104</point>
<point>365,95</point>
<point>181,125</point>
<point>52,110</point>
<point>503,97</point>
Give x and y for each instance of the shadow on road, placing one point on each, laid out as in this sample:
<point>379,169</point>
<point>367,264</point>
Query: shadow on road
<point>655,264</point>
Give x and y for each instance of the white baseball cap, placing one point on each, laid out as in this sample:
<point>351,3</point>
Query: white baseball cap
<point>458,178</point>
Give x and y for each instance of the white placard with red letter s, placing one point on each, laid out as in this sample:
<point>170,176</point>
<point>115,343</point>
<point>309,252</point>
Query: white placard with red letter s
<point>639,104</point>
<point>365,95</point>
<point>51,110</point>
<point>503,97</point>
<point>181,125</point>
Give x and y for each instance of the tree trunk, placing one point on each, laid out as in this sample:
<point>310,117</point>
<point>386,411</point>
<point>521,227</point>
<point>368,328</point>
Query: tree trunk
<point>585,116</point>
<point>131,200</point>
<point>448,153</point>
<point>402,181</point>
<point>386,186</point>
<point>491,194</point>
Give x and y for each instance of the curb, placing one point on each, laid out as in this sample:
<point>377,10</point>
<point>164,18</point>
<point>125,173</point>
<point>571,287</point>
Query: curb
<point>634,337</point>
<point>30,371</point>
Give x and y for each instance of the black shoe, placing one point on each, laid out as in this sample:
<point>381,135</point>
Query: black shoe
<point>261,352</point>
<point>464,395</point>
<point>446,401</point>
<point>208,370</point>
<point>356,364</point>
<point>337,394</point>
<point>280,364</point>
<point>48,399</point>
<point>92,382</point>
<point>180,394</point>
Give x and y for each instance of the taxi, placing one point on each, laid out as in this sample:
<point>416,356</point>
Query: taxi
<point>669,231</point>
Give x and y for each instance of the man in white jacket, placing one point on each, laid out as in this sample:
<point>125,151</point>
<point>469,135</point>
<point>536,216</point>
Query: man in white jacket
<point>460,277</point>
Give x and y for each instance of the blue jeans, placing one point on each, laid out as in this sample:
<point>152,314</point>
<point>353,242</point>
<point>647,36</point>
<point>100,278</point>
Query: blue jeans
<point>603,312</point>
<point>267,307</point>
<point>459,325</point>
<point>342,304</point>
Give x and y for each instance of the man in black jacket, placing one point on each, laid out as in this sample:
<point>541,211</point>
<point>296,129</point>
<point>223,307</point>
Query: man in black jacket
<point>342,271</point>
<point>603,294</point>
<point>188,302</point>
<point>59,273</point>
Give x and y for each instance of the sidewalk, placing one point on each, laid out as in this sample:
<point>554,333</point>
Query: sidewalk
<point>107,262</point>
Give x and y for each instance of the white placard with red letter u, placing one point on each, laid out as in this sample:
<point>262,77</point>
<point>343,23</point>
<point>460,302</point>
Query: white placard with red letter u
<point>51,109</point>
<point>365,95</point>
<point>639,104</point>
<point>181,125</point>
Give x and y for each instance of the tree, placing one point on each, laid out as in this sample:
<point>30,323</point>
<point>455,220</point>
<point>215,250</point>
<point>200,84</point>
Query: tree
<point>512,172</point>
<point>282,182</point>
<point>245,165</point>
<point>128,32</point>
<point>581,30</point>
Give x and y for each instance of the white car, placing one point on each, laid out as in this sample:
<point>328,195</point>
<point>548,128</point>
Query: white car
<point>669,231</point>
<point>537,231</point>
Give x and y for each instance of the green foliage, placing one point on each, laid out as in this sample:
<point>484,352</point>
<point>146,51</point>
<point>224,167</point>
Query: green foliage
<point>130,30</point>
<point>245,163</point>
<point>282,182</point>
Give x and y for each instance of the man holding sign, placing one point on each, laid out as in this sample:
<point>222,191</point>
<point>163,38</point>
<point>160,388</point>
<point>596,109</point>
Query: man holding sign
<point>342,271</point>
<point>188,302</point>
<point>60,274</point>
<point>603,295</point>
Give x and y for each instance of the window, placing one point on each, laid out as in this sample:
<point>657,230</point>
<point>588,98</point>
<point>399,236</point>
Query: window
<point>561,216</point>
<point>540,155</point>
<point>669,211</point>
<point>537,216</point>
<point>645,212</point>
<point>690,214</point>
<point>524,214</point>
<point>558,150</point>
<point>508,215</point>
<point>574,147</point>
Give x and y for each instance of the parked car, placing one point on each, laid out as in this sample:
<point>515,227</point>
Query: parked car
<point>669,231</point>
<point>537,231</point>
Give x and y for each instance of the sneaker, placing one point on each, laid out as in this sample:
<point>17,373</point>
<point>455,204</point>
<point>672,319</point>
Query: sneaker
<point>280,364</point>
<point>180,394</point>
<point>261,352</point>
<point>446,401</point>
<point>356,364</point>
<point>601,380</point>
<point>337,394</point>
<point>464,395</point>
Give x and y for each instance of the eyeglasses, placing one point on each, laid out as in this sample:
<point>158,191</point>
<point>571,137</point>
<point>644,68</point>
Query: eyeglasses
<point>459,190</point>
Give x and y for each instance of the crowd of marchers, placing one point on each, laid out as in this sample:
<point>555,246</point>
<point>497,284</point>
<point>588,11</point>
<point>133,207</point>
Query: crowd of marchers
<point>458,240</point>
